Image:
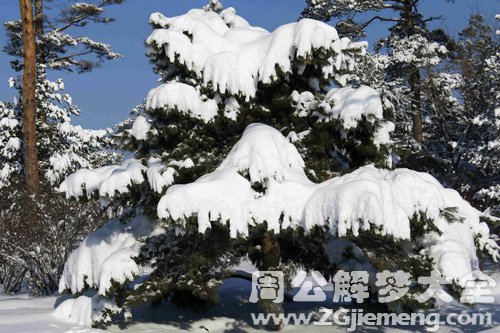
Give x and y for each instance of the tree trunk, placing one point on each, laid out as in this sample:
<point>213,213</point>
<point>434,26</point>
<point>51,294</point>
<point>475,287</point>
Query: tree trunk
<point>408,14</point>
<point>29,99</point>
<point>270,252</point>
<point>416,105</point>
<point>270,261</point>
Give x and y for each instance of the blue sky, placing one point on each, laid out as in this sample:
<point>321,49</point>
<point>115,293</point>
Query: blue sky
<point>107,94</point>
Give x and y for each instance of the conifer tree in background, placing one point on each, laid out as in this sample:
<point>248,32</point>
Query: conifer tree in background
<point>60,148</point>
<point>478,55</point>
<point>226,152</point>
<point>410,46</point>
<point>462,99</point>
<point>459,146</point>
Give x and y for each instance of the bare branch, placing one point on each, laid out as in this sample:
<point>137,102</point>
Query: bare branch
<point>380,18</point>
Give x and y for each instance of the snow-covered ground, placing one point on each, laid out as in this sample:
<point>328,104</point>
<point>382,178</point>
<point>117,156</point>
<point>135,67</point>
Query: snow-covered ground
<point>21,314</point>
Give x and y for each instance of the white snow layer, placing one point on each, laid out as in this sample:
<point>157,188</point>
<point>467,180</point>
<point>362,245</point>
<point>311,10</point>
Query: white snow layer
<point>368,197</point>
<point>183,98</point>
<point>231,56</point>
<point>254,154</point>
<point>140,128</point>
<point>104,257</point>
<point>84,310</point>
<point>107,181</point>
<point>349,105</point>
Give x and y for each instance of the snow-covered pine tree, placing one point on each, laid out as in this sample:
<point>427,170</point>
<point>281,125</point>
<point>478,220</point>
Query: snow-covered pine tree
<point>61,146</point>
<point>460,99</point>
<point>477,139</point>
<point>57,48</point>
<point>415,71</point>
<point>10,142</point>
<point>409,47</point>
<point>197,114</point>
<point>58,141</point>
<point>200,207</point>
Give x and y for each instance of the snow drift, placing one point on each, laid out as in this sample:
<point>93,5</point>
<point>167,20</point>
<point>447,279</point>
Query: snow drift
<point>85,310</point>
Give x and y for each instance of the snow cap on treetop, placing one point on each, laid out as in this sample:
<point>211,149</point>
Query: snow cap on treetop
<point>264,153</point>
<point>232,57</point>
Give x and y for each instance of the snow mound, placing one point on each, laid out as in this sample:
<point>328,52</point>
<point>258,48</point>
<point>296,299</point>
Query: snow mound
<point>84,310</point>
<point>377,197</point>
<point>367,198</point>
<point>222,193</point>
<point>226,196</point>
<point>183,98</point>
<point>107,181</point>
<point>267,157</point>
<point>105,257</point>
<point>231,56</point>
<point>264,153</point>
<point>349,105</point>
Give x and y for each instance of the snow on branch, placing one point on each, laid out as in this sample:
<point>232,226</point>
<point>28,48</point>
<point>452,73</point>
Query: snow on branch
<point>107,181</point>
<point>349,105</point>
<point>111,180</point>
<point>182,98</point>
<point>367,199</point>
<point>233,57</point>
<point>263,153</point>
<point>105,257</point>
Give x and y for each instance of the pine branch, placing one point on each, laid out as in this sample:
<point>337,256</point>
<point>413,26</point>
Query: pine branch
<point>82,17</point>
<point>71,56</point>
<point>380,18</point>
<point>433,18</point>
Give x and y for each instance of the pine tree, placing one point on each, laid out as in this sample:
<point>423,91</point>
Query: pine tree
<point>10,142</point>
<point>199,196</point>
<point>463,101</point>
<point>60,148</point>
<point>410,45</point>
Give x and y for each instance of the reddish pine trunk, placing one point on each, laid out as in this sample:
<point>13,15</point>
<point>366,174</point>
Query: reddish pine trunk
<point>29,99</point>
<point>270,261</point>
